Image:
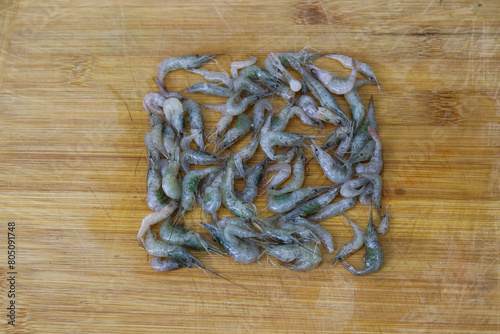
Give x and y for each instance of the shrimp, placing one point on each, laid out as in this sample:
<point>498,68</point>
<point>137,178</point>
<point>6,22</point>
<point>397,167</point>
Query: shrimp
<point>357,108</point>
<point>273,62</point>
<point>222,126</point>
<point>364,154</point>
<point>354,187</point>
<point>362,68</point>
<point>212,76</point>
<point>153,153</point>
<point>336,85</point>
<point>173,107</point>
<point>228,195</point>
<point>376,182</point>
<point>191,156</point>
<point>190,185</point>
<point>244,84</point>
<point>170,141</point>
<point>309,106</point>
<point>287,202</point>
<point>334,209</point>
<point>195,120</point>
<point>234,240</point>
<point>162,90</point>
<point>271,139</point>
<point>175,63</point>
<point>256,73</point>
<point>304,118</point>
<point>313,205</point>
<point>155,196</point>
<point>350,247</point>
<point>279,123</point>
<point>336,137</point>
<point>157,133</point>
<point>284,171</point>
<point>181,236</point>
<point>208,88</point>
<point>298,176</point>
<point>284,57</point>
<point>160,248</point>
<point>252,182</point>
<point>327,115</point>
<point>259,115</point>
<point>238,65</point>
<point>320,92</point>
<point>153,103</point>
<point>245,153</point>
<point>235,108</point>
<point>366,197</point>
<point>187,139</point>
<point>345,145</point>
<point>325,236</point>
<point>209,196</point>
<point>373,257</point>
<point>383,227</point>
<point>154,218</point>
<point>332,168</point>
<point>241,128</point>
<point>376,163</point>
<point>306,256</point>
<point>362,134</point>
<point>170,181</point>
<point>165,265</point>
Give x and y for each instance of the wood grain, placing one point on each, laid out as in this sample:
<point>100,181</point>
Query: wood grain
<point>73,168</point>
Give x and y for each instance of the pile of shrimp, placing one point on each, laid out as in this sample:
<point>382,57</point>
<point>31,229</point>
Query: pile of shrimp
<point>350,157</point>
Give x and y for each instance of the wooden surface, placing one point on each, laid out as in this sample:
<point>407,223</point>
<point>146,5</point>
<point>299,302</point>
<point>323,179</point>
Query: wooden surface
<point>73,167</point>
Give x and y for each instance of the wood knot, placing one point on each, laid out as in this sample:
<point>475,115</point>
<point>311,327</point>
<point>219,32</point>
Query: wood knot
<point>310,13</point>
<point>79,71</point>
<point>445,108</point>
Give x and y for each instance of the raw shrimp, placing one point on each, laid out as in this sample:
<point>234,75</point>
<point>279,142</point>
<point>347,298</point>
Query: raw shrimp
<point>162,90</point>
<point>222,126</point>
<point>376,163</point>
<point>170,141</point>
<point>313,205</point>
<point>235,108</point>
<point>350,247</point>
<point>195,120</point>
<point>164,265</point>
<point>176,63</point>
<point>252,182</point>
<point>170,181</point>
<point>238,65</point>
<point>336,137</point>
<point>333,169</point>
<point>155,196</point>
<point>153,102</point>
<point>366,197</point>
<point>213,76</point>
<point>373,257</point>
<point>362,135</point>
<point>157,133</point>
<point>258,74</point>
<point>245,153</point>
<point>354,187</point>
<point>187,139</point>
<point>191,156</point>
<point>376,182</point>
<point>383,227</point>
<point>326,115</point>
<point>242,84</point>
<point>364,154</point>
<point>280,72</point>
<point>309,106</point>
<point>362,68</point>
<point>271,139</point>
<point>334,209</point>
<point>241,128</point>
<point>260,115</point>
<point>154,218</point>
<point>304,118</point>
<point>336,85</point>
<point>280,122</point>
<point>284,171</point>
<point>153,154</point>
<point>325,236</point>
<point>306,256</point>
<point>298,176</point>
<point>287,202</point>
<point>174,112</point>
<point>357,108</point>
<point>284,57</point>
<point>208,88</point>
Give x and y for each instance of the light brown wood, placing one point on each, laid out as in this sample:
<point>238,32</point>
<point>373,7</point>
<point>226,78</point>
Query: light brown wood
<point>73,168</point>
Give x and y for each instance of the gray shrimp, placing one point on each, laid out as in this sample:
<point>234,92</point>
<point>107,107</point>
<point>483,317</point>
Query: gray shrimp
<point>320,92</point>
<point>238,65</point>
<point>160,248</point>
<point>162,166</point>
<point>271,139</point>
<point>280,72</point>
<point>155,196</point>
<point>304,118</point>
<point>350,248</point>
<point>323,235</point>
<point>362,68</point>
<point>280,122</point>
<point>362,135</point>
<point>260,115</point>
<point>301,57</point>
<point>213,76</point>
<point>222,126</point>
<point>336,137</point>
<point>383,227</point>
<point>170,140</point>
<point>175,63</point>
<point>376,163</point>
<point>313,205</point>
<point>236,108</point>
<point>195,119</point>
<point>209,88</point>
<point>187,139</point>
<point>284,171</point>
<point>310,107</point>
<point>164,265</point>
<point>234,240</point>
<point>287,202</point>
<point>252,182</point>
<point>228,195</point>
<point>202,158</point>
<point>364,154</point>
<point>181,236</point>
<point>306,256</point>
<point>154,218</point>
<point>366,196</point>
<point>170,181</point>
<point>334,209</point>
<point>376,182</point>
<point>153,153</point>
<point>336,85</point>
<point>357,108</point>
<point>190,185</point>
<point>245,153</point>
<point>242,84</point>
<point>241,128</point>
<point>298,176</point>
<point>173,107</point>
<point>209,197</point>
<point>333,169</point>
<point>373,257</point>
<point>157,126</point>
<point>258,74</point>
<point>326,115</point>
<point>153,102</point>
<point>354,187</point>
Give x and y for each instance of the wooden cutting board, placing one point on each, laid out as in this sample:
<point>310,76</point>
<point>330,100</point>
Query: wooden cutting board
<point>73,167</point>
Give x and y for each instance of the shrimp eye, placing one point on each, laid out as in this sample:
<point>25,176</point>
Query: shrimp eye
<point>313,71</point>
